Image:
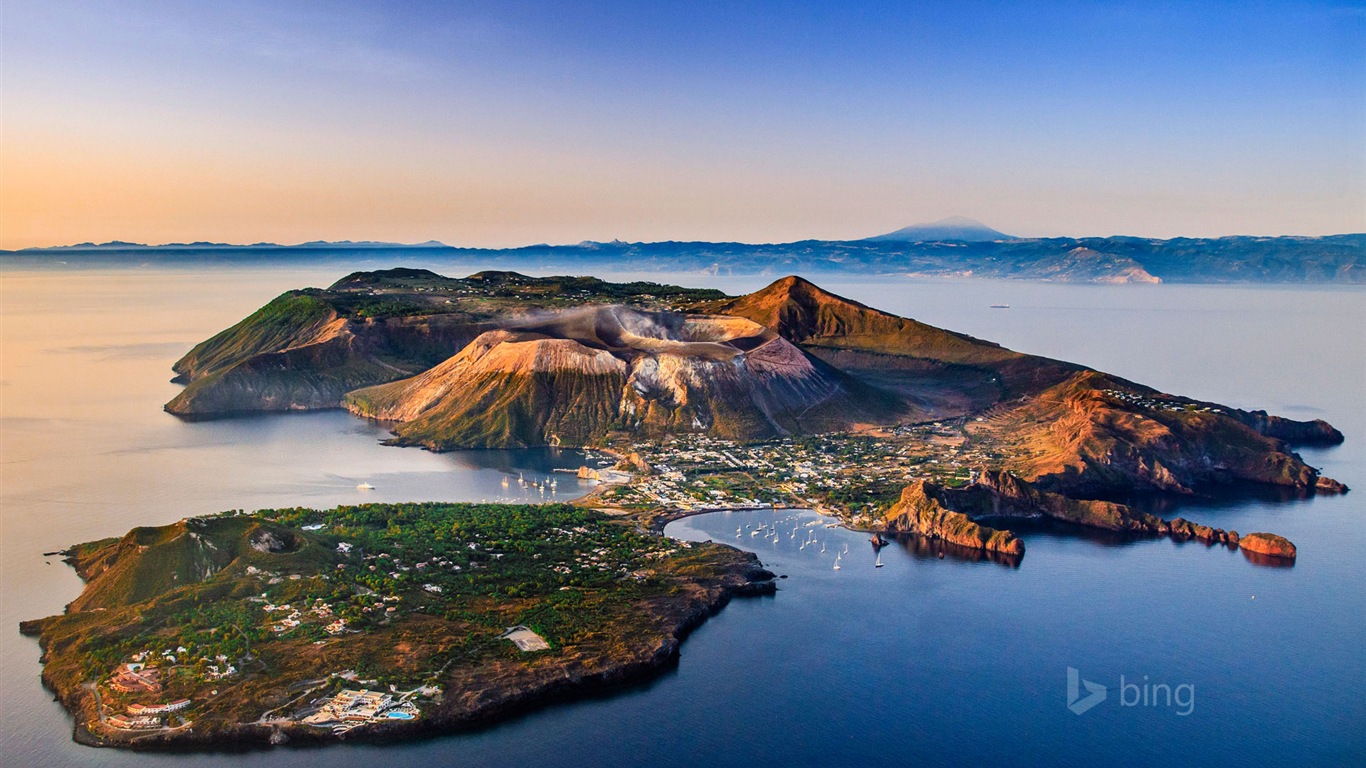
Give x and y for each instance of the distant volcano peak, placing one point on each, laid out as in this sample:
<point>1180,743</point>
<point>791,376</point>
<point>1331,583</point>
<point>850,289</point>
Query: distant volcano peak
<point>953,228</point>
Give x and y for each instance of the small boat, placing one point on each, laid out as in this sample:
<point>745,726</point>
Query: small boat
<point>365,487</point>
<point>1000,306</point>
<point>878,562</point>
<point>837,561</point>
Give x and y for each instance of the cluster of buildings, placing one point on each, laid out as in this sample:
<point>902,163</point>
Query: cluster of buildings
<point>606,560</point>
<point>145,710</point>
<point>136,677</point>
<point>352,708</point>
<point>291,619</point>
<point>320,610</point>
<point>701,473</point>
<point>145,716</point>
<point>1159,405</point>
<point>220,669</point>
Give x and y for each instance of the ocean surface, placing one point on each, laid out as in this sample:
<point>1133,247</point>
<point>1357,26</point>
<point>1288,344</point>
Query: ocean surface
<point>921,661</point>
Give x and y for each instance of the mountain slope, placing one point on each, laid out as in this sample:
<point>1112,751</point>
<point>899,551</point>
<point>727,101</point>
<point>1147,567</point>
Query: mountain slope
<point>942,373</point>
<point>306,349</point>
<point>575,376</point>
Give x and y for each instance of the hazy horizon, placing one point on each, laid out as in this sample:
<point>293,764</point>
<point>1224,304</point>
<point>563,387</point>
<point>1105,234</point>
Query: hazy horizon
<point>497,125</point>
<point>432,242</point>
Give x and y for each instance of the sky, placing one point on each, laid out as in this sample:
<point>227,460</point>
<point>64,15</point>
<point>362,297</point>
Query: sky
<point>508,123</point>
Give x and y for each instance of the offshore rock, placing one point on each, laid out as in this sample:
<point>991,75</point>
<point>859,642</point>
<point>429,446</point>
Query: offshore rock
<point>1268,545</point>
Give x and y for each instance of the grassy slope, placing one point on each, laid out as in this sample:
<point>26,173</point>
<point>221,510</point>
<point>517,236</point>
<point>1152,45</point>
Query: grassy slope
<point>291,319</point>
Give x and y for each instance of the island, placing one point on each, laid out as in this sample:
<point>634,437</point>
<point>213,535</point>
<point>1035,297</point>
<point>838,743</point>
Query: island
<point>822,400</point>
<point>382,621</point>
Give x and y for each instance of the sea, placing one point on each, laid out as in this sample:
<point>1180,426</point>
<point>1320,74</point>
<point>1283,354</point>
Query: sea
<point>1089,651</point>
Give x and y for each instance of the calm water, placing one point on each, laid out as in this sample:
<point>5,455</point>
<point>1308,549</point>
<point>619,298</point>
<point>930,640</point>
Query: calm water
<point>921,661</point>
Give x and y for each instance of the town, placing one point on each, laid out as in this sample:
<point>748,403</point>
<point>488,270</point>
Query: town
<point>854,476</point>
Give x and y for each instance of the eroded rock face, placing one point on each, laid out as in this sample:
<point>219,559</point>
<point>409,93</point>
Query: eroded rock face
<point>922,510</point>
<point>1268,545</point>
<point>1001,494</point>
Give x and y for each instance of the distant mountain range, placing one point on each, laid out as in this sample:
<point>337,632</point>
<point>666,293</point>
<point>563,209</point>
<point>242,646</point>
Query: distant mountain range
<point>953,247</point>
<point>120,245</point>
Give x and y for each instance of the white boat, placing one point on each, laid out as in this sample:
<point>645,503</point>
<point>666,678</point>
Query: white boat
<point>837,560</point>
<point>878,563</point>
<point>365,487</point>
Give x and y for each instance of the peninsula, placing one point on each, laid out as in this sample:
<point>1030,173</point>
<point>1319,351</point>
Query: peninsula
<point>298,625</point>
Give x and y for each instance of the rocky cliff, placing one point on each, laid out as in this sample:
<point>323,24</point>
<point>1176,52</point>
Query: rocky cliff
<point>1094,434</point>
<point>960,516</point>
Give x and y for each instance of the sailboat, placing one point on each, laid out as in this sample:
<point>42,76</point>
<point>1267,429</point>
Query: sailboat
<point>837,560</point>
<point>878,562</point>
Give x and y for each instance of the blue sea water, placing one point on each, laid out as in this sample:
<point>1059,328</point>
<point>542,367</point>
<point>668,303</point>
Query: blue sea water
<point>922,661</point>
